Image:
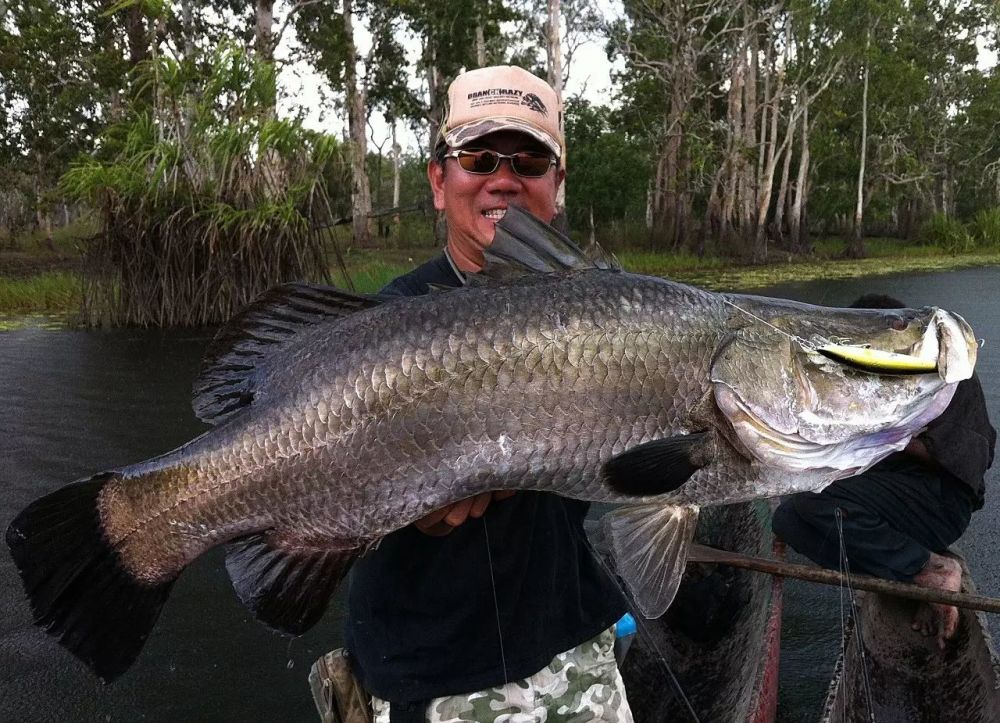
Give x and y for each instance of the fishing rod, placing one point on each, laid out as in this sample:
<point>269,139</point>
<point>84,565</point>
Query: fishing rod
<point>344,220</point>
<point>702,553</point>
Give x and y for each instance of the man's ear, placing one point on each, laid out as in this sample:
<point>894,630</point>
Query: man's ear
<point>435,174</point>
<point>560,176</point>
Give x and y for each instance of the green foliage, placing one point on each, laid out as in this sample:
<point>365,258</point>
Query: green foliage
<point>207,199</point>
<point>985,228</point>
<point>607,172</point>
<point>946,232</point>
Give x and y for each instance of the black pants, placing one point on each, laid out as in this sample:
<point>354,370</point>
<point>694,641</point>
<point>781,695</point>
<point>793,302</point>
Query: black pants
<point>893,516</point>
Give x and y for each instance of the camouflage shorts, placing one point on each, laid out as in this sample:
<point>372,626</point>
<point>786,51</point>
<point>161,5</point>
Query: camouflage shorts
<point>579,686</point>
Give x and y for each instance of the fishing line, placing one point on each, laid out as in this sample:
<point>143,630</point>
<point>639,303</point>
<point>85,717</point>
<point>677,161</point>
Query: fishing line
<point>845,570</point>
<point>640,622</point>
<point>807,345</point>
<point>496,603</point>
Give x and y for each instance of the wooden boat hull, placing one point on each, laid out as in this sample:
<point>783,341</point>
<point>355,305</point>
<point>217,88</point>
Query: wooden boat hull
<point>909,680</point>
<point>720,637</point>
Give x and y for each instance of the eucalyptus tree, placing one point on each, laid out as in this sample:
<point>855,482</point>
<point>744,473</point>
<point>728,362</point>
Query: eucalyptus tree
<point>53,65</point>
<point>895,142</point>
<point>447,34</point>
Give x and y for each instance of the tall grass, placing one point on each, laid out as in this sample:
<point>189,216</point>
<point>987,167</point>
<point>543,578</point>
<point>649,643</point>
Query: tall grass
<point>54,291</point>
<point>947,232</point>
<point>985,228</point>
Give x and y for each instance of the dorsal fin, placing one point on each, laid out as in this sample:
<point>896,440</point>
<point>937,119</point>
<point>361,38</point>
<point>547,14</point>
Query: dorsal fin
<point>524,245</point>
<point>228,378</point>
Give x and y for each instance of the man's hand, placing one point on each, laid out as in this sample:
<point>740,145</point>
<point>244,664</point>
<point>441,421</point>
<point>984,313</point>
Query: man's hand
<point>440,522</point>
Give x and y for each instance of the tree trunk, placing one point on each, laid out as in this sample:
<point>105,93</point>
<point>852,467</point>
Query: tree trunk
<point>553,51</point>
<point>730,224</point>
<point>396,178</point>
<point>856,246</point>
<point>480,45</point>
<point>434,93</point>
<point>765,182</point>
<point>361,202</point>
<point>786,166</point>
<point>748,199</point>
<point>138,38</point>
<point>796,227</point>
<point>187,25</point>
<point>263,28</point>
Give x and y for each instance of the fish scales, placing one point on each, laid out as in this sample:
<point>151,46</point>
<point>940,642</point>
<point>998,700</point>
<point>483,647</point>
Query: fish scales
<point>333,428</point>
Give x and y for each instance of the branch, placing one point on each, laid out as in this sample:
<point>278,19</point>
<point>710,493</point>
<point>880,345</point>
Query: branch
<point>276,38</point>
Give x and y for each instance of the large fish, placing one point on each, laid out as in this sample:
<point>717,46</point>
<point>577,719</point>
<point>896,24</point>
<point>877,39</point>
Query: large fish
<point>339,418</point>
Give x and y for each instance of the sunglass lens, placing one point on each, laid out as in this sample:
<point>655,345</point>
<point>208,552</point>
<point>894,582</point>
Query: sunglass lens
<point>531,164</point>
<point>479,161</point>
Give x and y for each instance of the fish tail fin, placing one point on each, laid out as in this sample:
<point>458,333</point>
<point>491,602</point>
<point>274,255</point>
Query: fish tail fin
<point>79,590</point>
<point>650,544</point>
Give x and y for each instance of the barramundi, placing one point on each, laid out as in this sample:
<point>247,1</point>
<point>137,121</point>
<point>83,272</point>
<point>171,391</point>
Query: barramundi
<point>338,418</point>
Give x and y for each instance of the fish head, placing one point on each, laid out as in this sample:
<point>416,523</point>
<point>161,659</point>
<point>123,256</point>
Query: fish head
<point>833,391</point>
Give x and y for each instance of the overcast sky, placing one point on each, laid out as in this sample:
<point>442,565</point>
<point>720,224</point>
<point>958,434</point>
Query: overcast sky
<point>590,75</point>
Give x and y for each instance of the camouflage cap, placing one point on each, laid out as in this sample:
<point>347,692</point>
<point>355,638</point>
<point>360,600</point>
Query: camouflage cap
<point>502,98</point>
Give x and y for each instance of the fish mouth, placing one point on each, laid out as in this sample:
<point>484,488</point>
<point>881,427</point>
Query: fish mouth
<point>947,348</point>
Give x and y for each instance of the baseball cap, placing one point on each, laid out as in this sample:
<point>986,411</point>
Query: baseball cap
<point>502,98</point>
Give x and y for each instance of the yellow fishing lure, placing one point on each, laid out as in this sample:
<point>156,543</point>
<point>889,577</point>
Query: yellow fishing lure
<point>876,360</point>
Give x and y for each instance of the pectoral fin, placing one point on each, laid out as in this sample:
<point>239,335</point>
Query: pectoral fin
<point>650,544</point>
<point>657,467</point>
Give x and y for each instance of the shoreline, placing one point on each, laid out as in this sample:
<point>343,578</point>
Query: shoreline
<point>48,296</point>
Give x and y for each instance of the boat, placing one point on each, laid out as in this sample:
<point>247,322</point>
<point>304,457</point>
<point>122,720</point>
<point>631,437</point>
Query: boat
<point>888,673</point>
<point>720,638</point>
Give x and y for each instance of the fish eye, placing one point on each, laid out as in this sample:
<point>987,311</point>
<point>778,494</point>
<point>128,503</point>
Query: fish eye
<point>898,323</point>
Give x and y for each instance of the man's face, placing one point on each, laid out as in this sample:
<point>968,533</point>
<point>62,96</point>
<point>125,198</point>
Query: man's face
<point>473,204</point>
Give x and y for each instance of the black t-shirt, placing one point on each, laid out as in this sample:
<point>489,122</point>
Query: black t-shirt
<point>962,440</point>
<point>423,611</point>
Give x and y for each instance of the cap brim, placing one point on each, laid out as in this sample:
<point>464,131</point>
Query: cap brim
<point>466,134</point>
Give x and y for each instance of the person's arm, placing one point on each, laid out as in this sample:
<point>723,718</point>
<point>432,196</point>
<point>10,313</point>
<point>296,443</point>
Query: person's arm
<point>918,449</point>
<point>440,522</point>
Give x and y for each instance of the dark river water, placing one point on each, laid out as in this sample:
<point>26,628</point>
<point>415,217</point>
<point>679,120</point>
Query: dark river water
<point>73,403</point>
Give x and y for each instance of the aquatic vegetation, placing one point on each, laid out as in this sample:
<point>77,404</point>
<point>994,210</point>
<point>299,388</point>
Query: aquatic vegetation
<point>51,291</point>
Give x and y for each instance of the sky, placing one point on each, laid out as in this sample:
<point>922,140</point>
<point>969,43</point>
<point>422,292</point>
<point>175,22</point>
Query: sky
<point>590,76</point>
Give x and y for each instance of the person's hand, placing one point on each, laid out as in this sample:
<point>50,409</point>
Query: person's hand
<point>440,522</point>
<point>917,448</point>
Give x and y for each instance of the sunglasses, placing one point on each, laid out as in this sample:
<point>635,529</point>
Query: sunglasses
<point>485,162</point>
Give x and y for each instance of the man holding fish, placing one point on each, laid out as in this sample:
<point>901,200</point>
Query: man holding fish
<point>490,605</point>
<point>339,420</point>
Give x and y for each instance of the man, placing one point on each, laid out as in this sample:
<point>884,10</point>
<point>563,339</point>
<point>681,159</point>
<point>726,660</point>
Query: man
<point>897,519</point>
<point>494,605</point>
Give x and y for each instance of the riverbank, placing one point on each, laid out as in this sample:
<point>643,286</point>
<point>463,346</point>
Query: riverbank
<point>52,284</point>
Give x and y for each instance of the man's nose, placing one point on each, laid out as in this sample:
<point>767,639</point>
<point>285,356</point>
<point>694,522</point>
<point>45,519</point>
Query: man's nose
<point>503,179</point>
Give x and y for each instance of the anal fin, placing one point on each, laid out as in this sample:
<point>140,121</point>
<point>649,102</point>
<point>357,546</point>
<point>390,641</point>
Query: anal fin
<point>285,585</point>
<point>650,544</point>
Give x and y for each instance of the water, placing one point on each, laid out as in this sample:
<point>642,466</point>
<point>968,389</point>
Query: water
<point>811,623</point>
<point>76,402</point>
<point>72,403</point>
